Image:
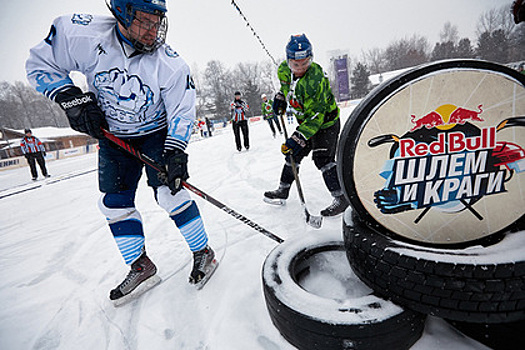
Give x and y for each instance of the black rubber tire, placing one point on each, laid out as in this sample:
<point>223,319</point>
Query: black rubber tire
<point>476,284</point>
<point>366,322</point>
<point>501,336</point>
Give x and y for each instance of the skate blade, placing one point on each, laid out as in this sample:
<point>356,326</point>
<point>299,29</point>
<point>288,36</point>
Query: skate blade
<point>137,292</point>
<point>275,201</point>
<point>208,273</point>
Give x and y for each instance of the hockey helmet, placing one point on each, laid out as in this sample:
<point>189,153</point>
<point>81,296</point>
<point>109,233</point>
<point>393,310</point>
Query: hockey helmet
<point>298,48</point>
<point>263,96</point>
<point>125,12</point>
<point>27,130</point>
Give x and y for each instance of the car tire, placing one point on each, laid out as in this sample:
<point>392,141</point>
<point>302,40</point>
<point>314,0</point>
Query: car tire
<point>476,284</point>
<point>310,321</point>
<point>500,336</point>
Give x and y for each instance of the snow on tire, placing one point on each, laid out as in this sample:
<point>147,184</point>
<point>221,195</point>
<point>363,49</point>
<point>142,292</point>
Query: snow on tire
<point>477,284</point>
<point>316,302</point>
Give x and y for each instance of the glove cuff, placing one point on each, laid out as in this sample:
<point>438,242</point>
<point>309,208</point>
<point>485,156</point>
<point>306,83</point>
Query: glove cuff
<point>299,138</point>
<point>172,143</point>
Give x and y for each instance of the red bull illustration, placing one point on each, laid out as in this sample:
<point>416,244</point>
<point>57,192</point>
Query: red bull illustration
<point>444,116</point>
<point>445,162</point>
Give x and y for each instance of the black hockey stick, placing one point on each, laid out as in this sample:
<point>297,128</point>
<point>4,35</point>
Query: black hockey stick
<point>150,162</point>
<point>314,221</point>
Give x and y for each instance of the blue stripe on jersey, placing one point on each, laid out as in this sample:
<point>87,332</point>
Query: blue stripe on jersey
<point>130,247</point>
<point>48,83</point>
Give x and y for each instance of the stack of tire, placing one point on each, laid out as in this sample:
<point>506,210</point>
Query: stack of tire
<point>414,237</point>
<point>437,217</point>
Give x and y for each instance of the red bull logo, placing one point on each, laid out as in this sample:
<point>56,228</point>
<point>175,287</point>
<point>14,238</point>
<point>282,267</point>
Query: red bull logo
<point>446,117</point>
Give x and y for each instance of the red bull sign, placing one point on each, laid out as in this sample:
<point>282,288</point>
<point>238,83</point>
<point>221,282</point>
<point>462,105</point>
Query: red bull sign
<point>439,159</point>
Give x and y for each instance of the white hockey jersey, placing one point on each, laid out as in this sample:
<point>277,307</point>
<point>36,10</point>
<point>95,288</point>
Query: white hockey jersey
<point>139,93</point>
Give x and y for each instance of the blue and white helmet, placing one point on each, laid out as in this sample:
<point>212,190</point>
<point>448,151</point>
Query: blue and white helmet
<point>298,48</point>
<point>126,10</point>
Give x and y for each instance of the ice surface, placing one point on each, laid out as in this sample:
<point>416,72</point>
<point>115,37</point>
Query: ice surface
<point>59,261</point>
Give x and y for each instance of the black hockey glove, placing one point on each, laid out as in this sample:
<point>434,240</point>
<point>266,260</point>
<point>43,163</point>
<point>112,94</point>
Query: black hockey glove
<point>176,170</point>
<point>279,103</point>
<point>294,145</point>
<point>82,111</point>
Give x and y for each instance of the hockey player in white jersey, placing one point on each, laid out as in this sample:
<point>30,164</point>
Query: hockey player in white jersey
<point>143,92</point>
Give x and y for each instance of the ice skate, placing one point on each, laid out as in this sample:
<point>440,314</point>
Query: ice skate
<point>204,265</point>
<point>278,196</point>
<point>140,278</point>
<point>339,204</point>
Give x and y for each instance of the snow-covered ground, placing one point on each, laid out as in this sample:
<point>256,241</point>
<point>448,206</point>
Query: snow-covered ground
<point>59,260</point>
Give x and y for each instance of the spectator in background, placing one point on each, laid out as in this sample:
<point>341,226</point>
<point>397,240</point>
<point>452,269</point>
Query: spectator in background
<point>520,69</point>
<point>209,126</point>
<point>34,152</point>
<point>269,115</point>
<point>238,109</point>
<point>518,11</point>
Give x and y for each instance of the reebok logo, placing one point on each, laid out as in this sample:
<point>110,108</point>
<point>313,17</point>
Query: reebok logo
<point>76,102</point>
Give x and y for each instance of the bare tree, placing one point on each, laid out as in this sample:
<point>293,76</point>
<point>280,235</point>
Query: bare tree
<point>449,33</point>
<point>375,59</point>
<point>407,52</point>
<point>495,19</point>
<point>218,87</point>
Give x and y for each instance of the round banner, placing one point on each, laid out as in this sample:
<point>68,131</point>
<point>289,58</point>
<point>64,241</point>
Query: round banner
<point>437,154</point>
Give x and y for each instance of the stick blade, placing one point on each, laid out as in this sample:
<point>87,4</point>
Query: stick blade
<point>312,220</point>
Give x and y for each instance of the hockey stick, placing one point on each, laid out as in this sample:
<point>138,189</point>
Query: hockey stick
<point>314,221</point>
<point>150,162</point>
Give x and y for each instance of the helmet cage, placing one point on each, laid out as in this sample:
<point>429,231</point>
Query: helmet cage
<point>125,11</point>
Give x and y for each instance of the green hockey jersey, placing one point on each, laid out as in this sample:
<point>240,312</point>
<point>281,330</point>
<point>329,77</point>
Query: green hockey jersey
<point>310,98</point>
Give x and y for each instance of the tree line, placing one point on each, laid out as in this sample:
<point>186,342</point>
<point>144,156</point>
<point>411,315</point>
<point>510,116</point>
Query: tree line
<point>498,39</point>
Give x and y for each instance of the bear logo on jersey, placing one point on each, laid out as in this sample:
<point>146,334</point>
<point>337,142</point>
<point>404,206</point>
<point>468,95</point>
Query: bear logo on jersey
<point>81,19</point>
<point>123,97</point>
<point>170,52</point>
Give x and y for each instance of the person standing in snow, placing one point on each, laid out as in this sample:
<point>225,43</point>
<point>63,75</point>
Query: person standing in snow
<point>518,11</point>
<point>34,151</point>
<point>142,90</point>
<point>238,109</point>
<point>269,115</point>
<point>306,89</point>
<point>209,126</point>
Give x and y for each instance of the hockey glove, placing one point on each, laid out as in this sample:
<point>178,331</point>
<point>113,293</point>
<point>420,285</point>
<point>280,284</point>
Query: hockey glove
<point>82,111</point>
<point>176,170</point>
<point>279,103</point>
<point>294,144</point>
<point>388,202</point>
<point>518,11</point>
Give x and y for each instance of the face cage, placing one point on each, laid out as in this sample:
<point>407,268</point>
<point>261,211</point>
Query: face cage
<point>159,40</point>
<point>310,60</point>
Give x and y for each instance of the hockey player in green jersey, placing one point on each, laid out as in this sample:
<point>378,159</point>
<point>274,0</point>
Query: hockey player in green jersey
<point>306,91</point>
<point>269,115</point>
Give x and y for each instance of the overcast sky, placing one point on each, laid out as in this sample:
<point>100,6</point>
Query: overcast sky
<point>203,30</point>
